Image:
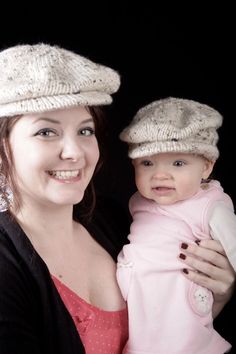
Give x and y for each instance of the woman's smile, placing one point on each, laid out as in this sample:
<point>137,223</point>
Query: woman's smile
<point>65,176</point>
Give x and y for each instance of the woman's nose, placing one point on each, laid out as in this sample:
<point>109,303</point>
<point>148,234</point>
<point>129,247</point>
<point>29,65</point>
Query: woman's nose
<point>71,150</point>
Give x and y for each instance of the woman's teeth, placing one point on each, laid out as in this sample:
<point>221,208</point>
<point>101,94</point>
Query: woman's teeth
<point>64,174</point>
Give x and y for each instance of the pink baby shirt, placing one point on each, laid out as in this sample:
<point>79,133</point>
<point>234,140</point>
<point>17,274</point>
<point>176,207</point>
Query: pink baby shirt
<point>168,314</point>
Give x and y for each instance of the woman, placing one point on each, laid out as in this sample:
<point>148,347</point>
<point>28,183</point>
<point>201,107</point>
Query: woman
<point>57,262</point>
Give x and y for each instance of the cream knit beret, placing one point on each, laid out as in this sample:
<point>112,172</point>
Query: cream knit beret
<point>41,77</point>
<point>173,125</point>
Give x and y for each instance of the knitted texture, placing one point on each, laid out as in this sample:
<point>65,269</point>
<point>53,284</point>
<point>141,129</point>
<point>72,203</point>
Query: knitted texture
<point>173,125</point>
<point>41,77</point>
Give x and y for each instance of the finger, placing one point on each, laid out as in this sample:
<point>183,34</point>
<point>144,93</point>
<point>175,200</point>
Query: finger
<point>203,267</point>
<point>201,279</point>
<point>208,269</point>
<point>217,287</point>
<point>207,255</point>
<point>224,276</point>
<point>212,245</point>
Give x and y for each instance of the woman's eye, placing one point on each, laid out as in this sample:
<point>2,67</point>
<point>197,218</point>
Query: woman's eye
<point>179,163</point>
<point>46,132</point>
<point>87,131</point>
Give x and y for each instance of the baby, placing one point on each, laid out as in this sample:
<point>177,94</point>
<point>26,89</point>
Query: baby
<point>172,144</point>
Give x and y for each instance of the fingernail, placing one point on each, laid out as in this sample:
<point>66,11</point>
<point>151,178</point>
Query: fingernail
<point>184,245</point>
<point>197,242</point>
<point>182,256</point>
<point>185,271</point>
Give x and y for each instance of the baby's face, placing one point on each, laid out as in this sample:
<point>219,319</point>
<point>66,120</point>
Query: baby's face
<point>170,177</point>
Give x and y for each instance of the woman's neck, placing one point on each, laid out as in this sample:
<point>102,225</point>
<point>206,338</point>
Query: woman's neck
<point>47,225</point>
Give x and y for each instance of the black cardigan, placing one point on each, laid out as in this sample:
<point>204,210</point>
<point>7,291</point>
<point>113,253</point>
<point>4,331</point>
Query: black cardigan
<point>33,318</point>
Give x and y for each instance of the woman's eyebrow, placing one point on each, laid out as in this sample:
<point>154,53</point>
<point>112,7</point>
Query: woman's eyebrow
<point>50,120</point>
<point>89,120</point>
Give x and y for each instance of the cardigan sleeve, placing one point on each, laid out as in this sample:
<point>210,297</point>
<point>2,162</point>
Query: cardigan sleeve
<point>16,328</point>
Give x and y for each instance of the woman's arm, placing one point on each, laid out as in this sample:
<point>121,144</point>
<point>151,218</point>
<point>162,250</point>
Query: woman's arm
<point>211,270</point>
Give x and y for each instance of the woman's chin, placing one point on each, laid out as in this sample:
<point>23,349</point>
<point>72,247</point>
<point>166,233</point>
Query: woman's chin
<point>69,200</point>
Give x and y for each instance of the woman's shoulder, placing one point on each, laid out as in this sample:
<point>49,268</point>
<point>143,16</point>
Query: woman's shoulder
<point>12,277</point>
<point>12,236</point>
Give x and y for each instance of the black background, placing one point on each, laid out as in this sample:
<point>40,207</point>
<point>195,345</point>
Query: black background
<point>158,53</point>
<point>183,52</point>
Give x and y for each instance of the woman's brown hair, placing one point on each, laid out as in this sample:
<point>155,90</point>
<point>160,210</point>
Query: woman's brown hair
<point>87,205</point>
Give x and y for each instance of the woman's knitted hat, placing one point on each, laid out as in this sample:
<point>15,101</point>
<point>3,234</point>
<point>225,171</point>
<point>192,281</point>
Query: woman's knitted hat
<point>173,125</point>
<point>41,77</point>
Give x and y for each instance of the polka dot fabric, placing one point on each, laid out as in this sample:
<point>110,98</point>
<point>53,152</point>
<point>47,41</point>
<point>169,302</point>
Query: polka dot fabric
<point>101,331</point>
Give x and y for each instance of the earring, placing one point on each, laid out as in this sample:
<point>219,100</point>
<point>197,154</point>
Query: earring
<point>205,183</point>
<point>6,195</point>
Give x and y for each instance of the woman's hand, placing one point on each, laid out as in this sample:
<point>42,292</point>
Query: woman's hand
<point>211,269</point>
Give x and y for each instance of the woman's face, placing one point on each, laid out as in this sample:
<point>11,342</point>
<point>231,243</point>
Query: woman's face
<point>54,155</point>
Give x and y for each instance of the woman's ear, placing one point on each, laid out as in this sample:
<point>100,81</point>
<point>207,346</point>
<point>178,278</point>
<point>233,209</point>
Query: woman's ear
<point>208,168</point>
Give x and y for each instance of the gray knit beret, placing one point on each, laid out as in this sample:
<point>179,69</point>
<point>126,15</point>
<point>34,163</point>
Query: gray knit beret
<point>173,125</point>
<point>41,77</point>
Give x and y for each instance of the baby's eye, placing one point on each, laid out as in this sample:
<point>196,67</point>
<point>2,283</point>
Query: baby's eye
<point>46,132</point>
<point>146,163</point>
<point>87,131</point>
<point>179,163</point>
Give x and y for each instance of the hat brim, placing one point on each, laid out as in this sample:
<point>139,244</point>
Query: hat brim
<point>50,103</point>
<point>152,148</point>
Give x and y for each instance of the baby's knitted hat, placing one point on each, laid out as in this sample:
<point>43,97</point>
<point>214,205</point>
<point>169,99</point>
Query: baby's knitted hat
<point>173,125</point>
<point>41,77</point>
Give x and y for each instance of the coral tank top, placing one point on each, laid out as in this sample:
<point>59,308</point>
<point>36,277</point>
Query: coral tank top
<point>101,331</point>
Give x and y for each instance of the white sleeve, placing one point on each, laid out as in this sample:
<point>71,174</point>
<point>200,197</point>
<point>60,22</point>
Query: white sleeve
<point>223,228</point>
<point>124,270</point>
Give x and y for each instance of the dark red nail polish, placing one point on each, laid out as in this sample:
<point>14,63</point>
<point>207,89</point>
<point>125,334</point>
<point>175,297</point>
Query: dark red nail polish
<point>197,242</point>
<point>184,246</point>
<point>185,271</point>
<point>182,256</point>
